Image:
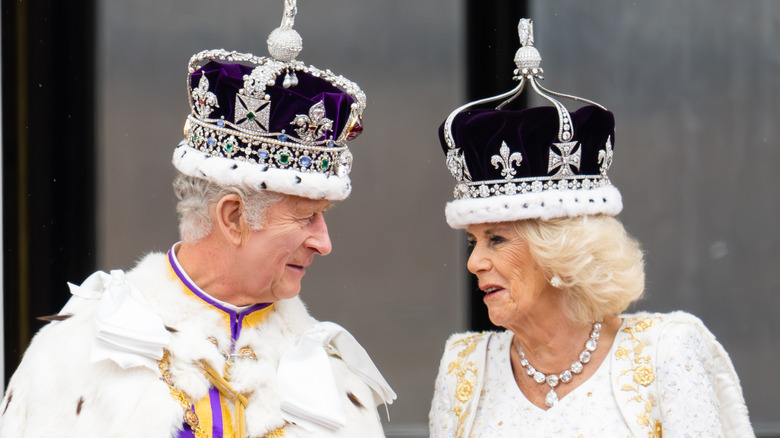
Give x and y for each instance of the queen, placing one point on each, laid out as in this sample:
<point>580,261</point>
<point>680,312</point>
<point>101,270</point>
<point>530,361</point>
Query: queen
<point>558,271</point>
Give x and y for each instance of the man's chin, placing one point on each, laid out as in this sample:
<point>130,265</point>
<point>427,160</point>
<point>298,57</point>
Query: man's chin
<point>286,293</point>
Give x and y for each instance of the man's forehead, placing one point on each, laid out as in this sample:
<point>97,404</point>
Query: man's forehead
<point>298,204</point>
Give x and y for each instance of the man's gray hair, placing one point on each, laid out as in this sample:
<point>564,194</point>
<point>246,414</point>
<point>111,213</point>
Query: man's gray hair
<point>198,196</point>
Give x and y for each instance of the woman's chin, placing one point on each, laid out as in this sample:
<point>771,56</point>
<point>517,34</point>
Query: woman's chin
<point>497,315</point>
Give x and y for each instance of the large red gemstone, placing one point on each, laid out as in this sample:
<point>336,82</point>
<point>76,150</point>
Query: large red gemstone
<point>355,129</point>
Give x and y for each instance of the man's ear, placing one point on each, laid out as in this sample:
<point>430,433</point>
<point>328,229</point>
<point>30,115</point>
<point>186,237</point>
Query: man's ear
<point>229,217</point>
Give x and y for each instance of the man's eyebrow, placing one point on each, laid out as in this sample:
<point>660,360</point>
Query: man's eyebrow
<point>309,209</point>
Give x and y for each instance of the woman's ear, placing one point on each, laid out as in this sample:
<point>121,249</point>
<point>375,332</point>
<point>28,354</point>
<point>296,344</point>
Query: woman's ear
<point>229,215</point>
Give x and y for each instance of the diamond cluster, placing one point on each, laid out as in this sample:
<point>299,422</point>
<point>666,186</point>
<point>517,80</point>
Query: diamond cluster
<point>552,380</point>
<point>521,186</point>
<point>275,151</point>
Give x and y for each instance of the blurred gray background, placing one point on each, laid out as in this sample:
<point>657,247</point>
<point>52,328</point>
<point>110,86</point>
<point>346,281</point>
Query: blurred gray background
<point>693,85</point>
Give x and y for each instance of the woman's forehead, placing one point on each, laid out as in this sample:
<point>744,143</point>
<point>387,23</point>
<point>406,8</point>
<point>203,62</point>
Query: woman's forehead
<point>491,228</point>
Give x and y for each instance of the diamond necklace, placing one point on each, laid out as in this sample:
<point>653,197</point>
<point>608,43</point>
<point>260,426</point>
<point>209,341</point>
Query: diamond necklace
<point>552,379</point>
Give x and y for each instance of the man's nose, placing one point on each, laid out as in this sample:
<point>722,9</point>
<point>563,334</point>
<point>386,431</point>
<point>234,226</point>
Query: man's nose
<point>320,239</point>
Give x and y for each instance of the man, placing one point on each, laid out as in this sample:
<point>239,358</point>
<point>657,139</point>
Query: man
<point>210,339</point>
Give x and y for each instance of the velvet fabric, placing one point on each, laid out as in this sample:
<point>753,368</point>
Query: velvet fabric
<point>225,79</point>
<point>479,133</point>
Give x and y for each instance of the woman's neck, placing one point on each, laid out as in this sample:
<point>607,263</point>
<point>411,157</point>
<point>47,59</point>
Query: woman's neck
<point>551,343</point>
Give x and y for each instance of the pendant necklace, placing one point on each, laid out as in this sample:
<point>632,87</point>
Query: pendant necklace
<point>564,377</point>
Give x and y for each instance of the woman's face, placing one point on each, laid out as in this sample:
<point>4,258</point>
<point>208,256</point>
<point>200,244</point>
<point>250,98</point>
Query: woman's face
<point>514,284</point>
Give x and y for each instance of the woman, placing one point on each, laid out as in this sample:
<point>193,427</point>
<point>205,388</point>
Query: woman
<point>557,271</point>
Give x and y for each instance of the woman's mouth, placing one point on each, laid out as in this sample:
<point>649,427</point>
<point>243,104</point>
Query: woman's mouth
<point>490,290</point>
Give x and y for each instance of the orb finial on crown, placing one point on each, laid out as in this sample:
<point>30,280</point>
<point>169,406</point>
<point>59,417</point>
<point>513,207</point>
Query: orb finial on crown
<point>284,42</point>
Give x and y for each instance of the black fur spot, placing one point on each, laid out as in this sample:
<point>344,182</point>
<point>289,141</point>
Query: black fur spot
<point>78,406</point>
<point>354,400</point>
<point>261,186</point>
<point>8,402</point>
<point>297,179</point>
<point>50,318</point>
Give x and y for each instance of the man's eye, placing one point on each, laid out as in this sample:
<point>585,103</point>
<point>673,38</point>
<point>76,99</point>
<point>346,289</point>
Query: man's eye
<point>305,220</point>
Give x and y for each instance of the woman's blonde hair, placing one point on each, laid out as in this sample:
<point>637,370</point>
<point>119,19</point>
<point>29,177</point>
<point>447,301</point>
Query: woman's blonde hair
<point>600,265</point>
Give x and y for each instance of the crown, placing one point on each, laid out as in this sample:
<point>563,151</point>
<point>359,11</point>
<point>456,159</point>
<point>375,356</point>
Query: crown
<point>272,123</point>
<point>540,162</point>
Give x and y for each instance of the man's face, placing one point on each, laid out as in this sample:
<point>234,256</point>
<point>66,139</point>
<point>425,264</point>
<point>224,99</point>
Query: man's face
<point>272,261</point>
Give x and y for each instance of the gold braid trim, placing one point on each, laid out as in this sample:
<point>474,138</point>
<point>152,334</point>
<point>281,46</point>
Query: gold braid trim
<point>183,399</point>
<point>222,386</point>
<point>278,433</point>
<point>225,389</point>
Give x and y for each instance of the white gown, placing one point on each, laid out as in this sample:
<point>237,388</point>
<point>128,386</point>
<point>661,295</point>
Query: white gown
<point>668,379</point>
<point>589,410</point>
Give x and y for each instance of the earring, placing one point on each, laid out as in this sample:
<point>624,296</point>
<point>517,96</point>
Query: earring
<point>556,281</point>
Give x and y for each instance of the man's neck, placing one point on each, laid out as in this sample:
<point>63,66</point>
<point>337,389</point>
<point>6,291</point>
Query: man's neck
<point>204,265</point>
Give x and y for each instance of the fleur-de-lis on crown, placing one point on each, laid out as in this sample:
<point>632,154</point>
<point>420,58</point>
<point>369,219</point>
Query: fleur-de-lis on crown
<point>605,157</point>
<point>506,160</point>
<point>205,100</point>
<point>313,126</point>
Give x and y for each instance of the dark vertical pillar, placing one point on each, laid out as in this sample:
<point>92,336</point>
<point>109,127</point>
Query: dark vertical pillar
<point>491,43</point>
<point>48,160</point>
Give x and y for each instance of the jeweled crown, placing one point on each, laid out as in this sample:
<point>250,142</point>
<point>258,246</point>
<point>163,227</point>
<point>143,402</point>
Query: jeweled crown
<point>540,162</point>
<point>272,123</point>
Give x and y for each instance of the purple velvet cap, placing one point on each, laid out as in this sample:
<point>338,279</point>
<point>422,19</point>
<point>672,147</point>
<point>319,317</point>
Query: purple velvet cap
<point>480,133</point>
<point>226,79</point>
<point>513,165</point>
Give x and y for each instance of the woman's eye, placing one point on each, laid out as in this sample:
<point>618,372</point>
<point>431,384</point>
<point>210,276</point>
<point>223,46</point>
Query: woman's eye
<point>471,242</point>
<point>497,239</point>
